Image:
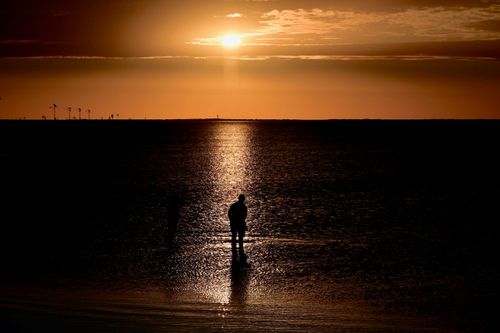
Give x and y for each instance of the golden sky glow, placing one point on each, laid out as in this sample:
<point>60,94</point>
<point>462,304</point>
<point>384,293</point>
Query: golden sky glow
<point>252,59</point>
<point>303,88</point>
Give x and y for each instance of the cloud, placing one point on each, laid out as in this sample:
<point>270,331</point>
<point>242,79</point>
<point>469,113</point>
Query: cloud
<point>328,27</point>
<point>17,41</point>
<point>27,42</point>
<point>234,15</point>
<point>413,24</point>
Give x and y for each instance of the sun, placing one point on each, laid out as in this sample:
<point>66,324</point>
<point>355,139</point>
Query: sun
<point>231,41</point>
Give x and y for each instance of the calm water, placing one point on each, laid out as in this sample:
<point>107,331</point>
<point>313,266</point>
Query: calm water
<point>353,225</point>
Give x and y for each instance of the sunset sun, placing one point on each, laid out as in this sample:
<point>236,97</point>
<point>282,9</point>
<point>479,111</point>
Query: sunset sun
<point>231,41</point>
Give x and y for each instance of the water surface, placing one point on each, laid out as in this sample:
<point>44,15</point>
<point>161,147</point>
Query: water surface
<point>362,225</point>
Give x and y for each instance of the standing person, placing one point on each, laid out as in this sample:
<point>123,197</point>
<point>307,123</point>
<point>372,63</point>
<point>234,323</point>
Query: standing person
<point>237,215</point>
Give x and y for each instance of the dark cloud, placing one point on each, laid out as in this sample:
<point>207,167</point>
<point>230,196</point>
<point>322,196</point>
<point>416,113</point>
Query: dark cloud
<point>488,25</point>
<point>84,27</point>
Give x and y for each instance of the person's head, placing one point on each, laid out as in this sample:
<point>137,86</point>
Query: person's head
<point>241,198</point>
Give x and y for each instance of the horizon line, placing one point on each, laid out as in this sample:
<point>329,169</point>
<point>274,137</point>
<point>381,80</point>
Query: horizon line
<point>331,57</point>
<point>245,119</point>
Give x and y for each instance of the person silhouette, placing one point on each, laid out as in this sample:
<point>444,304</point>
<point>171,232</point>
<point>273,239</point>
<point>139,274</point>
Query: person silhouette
<point>237,215</point>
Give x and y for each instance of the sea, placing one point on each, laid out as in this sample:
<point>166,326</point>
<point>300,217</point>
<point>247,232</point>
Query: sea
<point>353,226</point>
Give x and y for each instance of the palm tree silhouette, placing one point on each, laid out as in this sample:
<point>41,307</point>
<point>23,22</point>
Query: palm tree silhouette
<point>53,107</point>
<point>69,112</point>
<point>79,113</point>
<point>88,112</point>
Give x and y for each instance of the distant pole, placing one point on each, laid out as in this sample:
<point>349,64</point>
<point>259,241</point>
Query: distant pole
<point>88,113</point>
<point>79,113</point>
<point>69,112</point>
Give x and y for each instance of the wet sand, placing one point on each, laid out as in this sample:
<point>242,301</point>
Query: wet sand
<point>153,311</point>
<point>235,296</point>
<point>37,310</point>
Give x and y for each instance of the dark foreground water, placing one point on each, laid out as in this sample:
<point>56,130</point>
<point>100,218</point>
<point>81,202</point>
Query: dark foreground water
<point>376,226</point>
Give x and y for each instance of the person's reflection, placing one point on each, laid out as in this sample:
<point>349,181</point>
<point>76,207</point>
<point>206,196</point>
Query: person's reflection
<point>239,277</point>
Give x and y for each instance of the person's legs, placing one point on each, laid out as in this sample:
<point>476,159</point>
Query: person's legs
<point>241,235</point>
<point>233,235</point>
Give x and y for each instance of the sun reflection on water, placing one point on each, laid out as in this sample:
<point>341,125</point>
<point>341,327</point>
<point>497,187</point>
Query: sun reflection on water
<point>230,164</point>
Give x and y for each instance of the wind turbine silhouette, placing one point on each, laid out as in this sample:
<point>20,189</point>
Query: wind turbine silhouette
<point>53,107</point>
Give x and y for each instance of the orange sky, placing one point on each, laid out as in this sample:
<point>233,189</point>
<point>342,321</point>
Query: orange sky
<point>268,88</point>
<point>298,59</point>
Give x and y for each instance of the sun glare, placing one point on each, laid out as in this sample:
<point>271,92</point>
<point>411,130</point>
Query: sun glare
<point>231,41</point>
